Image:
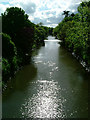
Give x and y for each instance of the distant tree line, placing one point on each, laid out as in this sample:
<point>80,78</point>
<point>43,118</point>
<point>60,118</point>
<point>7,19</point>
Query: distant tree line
<point>19,38</point>
<point>74,32</point>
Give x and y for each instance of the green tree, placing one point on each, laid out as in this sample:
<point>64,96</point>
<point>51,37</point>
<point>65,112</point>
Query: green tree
<point>21,30</point>
<point>13,19</point>
<point>5,70</point>
<point>84,10</point>
<point>8,47</point>
<point>74,32</point>
<point>9,55</point>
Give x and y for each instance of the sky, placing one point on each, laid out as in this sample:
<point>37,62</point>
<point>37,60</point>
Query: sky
<point>49,12</point>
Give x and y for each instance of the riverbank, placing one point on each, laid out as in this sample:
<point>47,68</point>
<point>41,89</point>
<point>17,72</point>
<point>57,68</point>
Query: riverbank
<point>28,62</point>
<point>73,31</point>
<point>54,85</point>
<point>19,37</point>
<point>81,61</point>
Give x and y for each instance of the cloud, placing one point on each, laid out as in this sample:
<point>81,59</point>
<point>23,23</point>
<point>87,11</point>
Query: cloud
<point>49,12</point>
<point>29,8</point>
<point>3,7</point>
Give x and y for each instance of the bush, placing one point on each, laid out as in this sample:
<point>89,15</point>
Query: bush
<point>9,62</point>
<point>5,69</point>
<point>8,47</point>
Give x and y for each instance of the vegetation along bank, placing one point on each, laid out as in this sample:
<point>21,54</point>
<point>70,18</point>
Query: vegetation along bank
<point>74,32</point>
<point>19,38</point>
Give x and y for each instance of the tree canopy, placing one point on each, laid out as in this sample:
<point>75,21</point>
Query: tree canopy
<point>20,37</point>
<point>73,31</point>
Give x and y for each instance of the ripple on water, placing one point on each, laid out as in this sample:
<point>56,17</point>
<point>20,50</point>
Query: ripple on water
<point>49,63</point>
<point>47,102</point>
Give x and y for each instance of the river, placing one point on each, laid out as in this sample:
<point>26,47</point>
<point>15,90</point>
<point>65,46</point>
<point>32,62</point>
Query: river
<point>54,85</point>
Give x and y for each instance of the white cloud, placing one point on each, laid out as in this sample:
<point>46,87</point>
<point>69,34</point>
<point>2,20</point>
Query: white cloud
<point>3,7</point>
<point>29,8</point>
<point>47,11</point>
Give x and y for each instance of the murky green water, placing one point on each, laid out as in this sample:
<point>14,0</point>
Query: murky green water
<point>54,85</point>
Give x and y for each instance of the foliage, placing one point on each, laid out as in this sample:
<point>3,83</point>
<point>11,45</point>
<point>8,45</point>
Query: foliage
<point>66,13</point>
<point>74,32</point>
<point>5,69</point>
<point>9,61</point>
<point>20,36</point>
<point>13,19</point>
<point>51,31</point>
<point>17,25</point>
<point>9,49</point>
<point>84,10</point>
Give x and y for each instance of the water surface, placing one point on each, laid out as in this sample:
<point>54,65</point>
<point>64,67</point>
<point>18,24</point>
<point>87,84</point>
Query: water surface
<point>54,85</point>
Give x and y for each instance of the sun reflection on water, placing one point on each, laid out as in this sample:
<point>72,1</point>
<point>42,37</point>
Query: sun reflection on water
<point>47,102</point>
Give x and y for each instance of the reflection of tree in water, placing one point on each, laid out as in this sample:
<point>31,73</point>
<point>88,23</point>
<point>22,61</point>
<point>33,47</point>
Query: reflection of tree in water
<point>66,57</point>
<point>21,80</point>
<point>36,51</point>
<point>72,64</point>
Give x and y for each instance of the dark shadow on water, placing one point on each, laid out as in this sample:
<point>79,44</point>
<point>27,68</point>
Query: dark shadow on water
<point>21,80</point>
<point>72,63</point>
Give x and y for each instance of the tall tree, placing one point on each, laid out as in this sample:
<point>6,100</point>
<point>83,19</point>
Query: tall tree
<point>66,13</point>
<point>13,19</point>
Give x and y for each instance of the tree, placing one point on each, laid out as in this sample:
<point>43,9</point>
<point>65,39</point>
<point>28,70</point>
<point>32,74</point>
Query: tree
<point>84,10</point>
<point>9,55</point>
<point>20,29</point>
<point>72,15</point>
<point>66,13</point>
<point>40,24</point>
<point>8,47</point>
<point>20,37</point>
<point>13,19</point>
<point>74,32</point>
